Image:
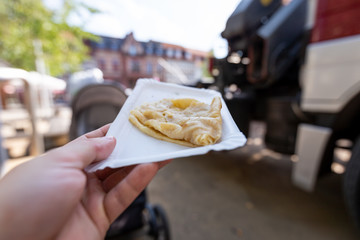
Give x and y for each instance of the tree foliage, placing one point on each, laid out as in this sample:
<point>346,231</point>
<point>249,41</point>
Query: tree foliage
<point>26,21</point>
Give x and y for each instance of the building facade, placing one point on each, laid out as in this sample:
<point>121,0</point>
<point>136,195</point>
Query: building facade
<point>125,60</point>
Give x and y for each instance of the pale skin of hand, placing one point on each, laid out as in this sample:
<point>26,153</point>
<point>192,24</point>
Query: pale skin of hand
<point>52,197</point>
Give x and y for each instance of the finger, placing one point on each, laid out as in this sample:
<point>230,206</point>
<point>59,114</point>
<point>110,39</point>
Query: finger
<point>104,173</point>
<point>124,193</point>
<point>100,132</point>
<point>164,163</point>
<point>83,151</point>
<point>93,202</point>
<point>114,178</point>
<point>107,172</point>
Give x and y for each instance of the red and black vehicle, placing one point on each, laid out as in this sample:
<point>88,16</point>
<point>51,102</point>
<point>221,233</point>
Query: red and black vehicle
<point>295,66</point>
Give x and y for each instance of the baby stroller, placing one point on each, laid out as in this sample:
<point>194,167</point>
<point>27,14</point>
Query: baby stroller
<point>94,106</point>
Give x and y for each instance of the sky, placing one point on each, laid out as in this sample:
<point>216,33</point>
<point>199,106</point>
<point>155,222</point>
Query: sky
<point>194,24</point>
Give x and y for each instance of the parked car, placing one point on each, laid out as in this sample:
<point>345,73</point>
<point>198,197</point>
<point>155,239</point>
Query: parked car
<point>31,117</point>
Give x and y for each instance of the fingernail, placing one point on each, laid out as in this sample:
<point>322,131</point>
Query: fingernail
<point>109,138</point>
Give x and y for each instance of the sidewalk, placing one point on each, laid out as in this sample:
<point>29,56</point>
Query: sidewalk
<point>248,194</point>
<point>245,194</point>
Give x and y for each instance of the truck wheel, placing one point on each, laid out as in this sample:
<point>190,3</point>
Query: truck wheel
<point>352,184</point>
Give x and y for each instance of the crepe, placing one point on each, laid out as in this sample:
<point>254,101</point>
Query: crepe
<point>184,121</point>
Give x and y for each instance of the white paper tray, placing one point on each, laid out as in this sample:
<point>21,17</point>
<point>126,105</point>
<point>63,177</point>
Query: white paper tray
<point>135,147</point>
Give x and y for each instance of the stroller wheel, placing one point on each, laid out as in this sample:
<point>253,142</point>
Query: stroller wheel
<point>159,226</point>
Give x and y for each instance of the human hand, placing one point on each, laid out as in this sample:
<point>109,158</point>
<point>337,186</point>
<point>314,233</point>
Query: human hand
<point>51,197</point>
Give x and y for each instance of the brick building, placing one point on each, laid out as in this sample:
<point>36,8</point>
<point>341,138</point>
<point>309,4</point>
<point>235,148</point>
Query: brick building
<point>125,60</point>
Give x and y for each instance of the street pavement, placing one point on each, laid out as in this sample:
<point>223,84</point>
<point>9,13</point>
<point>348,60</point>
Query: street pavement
<point>247,194</point>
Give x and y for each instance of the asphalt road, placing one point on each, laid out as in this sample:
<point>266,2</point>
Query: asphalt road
<point>247,194</point>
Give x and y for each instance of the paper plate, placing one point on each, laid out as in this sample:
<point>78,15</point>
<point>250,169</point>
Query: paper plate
<point>135,147</point>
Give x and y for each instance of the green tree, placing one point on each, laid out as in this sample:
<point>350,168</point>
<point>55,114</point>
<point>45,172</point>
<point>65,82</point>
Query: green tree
<point>25,22</point>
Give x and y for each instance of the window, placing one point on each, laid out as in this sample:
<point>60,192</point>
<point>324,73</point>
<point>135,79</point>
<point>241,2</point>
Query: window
<point>170,52</point>
<point>149,68</point>
<point>101,43</point>
<point>149,50</point>
<point>108,43</point>
<point>159,51</point>
<point>159,69</point>
<point>132,50</point>
<point>12,94</point>
<point>178,53</point>
<point>114,44</point>
<point>101,64</point>
<point>188,55</point>
<point>115,65</point>
<point>135,66</point>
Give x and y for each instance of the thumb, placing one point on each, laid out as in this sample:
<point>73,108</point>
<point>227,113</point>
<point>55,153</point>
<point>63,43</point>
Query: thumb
<point>82,151</point>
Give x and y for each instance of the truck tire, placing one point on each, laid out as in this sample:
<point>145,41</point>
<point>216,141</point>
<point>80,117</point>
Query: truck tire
<point>352,184</point>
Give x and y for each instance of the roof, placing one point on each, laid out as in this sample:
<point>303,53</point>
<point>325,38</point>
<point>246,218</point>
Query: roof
<point>108,43</point>
<point>33,78</point>
<point>198,52</point>
<point>169,45</point>
<point>152,47</point>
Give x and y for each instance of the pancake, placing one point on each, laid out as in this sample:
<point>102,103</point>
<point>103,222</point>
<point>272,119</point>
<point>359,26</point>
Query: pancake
<point>183,121</point>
